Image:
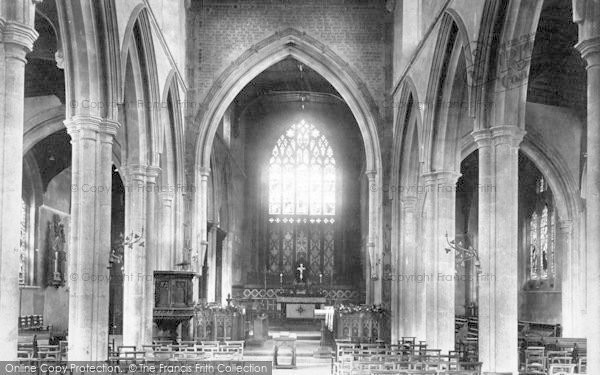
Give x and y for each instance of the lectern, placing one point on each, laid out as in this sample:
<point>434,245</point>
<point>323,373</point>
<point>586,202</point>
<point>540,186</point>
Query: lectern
<point>173,302</point>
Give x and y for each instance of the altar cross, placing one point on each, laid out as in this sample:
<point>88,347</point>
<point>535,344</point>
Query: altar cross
<point>301,268</point>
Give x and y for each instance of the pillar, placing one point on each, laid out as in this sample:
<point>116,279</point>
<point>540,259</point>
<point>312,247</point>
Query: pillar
<point>17,37</point>
<point>566,265</point>
<point>202,224</point>
<point>374,250</point>
<point>166,251</point>
<point>152,251</point>
<point>211,262</point>
<point>439,220</point>
<point>407,282</point>
<point>498,247</point>
<point>139,180</point>
<point>590,51</point>
<point>91,140</point>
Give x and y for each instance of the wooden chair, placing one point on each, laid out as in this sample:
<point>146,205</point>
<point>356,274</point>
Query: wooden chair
<point>235,349</point>
<point>582,365</point>
<point>63,347</point>
<point>555,360</point>
<point>556,369</point>
<point>535,360</point>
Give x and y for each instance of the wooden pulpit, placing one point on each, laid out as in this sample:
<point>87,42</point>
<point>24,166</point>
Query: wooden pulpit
<point>173,302</point>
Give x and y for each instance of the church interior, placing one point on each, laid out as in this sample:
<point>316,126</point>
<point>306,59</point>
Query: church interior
<point>333,186</point>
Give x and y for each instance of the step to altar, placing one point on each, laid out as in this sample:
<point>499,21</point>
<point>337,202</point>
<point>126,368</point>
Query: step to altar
<point>304,348</point>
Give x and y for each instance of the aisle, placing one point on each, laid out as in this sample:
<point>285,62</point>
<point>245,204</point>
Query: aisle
<point>308,337</point>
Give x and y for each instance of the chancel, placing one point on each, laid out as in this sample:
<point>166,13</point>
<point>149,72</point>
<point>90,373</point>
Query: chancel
<point>343,186</point>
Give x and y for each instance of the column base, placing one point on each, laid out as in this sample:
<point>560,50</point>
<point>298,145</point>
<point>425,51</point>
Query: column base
<point>323,352</point>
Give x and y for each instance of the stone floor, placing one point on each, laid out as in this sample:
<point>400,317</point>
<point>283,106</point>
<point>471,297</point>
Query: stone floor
<point>308,339</point>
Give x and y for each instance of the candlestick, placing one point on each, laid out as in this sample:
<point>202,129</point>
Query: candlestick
<point>281,278</point>
<point>320,278</point>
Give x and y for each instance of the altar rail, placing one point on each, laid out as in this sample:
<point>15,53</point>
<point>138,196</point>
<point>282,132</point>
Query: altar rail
<point>260,300</point>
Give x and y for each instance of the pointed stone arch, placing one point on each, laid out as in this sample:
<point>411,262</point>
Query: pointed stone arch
<point>296,44</point>
<point>403,191</point>
<point>452,52</point>
<point>138,49</point>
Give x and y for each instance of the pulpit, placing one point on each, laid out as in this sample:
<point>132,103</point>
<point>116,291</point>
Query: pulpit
<point>173,302</point>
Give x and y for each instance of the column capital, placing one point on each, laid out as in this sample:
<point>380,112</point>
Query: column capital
<point>152,172</point>
<point>19,35</point>
<point>482,137</point>
<point>436,177</point>
<point>408,202</point>
<point>371,174</point>
<point>590,51</point>
<point>91,124</point>
<point>135,172</point>
<point>167,197</point>
<point>204,172</point>
<point>507,134</point>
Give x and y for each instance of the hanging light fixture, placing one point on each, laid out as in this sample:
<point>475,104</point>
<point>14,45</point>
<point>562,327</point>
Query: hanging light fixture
<point>464,253</point>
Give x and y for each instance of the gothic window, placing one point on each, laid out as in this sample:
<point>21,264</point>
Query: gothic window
<point>541,236</point>
<point>301,202</point>
<point>302,173</point>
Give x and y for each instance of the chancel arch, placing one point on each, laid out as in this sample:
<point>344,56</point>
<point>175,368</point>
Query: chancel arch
<point>291,43</point>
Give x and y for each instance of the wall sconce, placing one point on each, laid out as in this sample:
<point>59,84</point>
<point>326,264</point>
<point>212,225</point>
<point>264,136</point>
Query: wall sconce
<point>134,239</point>
<point>465,253</point>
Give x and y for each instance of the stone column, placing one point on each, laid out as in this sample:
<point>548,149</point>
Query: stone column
<point>91,139</point>
<point>211,262</point>
<point>590,50</point>
<point>201,243</point>
<point>134,283</point>
<point>439,220</point>
<point>407,282</point>
<point>152,251</point>
<point>374,250</point>
<point>17,37</point>
<point>485,230</point>
<point>566,263</point>
<point>446,262</point>
<point>166,253</point>
<point>426,262</point>
<point>498,244</point>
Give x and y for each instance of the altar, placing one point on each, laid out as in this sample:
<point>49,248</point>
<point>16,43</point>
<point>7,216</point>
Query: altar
<point>299,306</point>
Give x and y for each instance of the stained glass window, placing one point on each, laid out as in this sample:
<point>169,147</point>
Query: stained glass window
<point>301,204</point>
<point>533,246</point>
<point>302,173</point>
<point>544,239</point>
<point>541,236</point>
